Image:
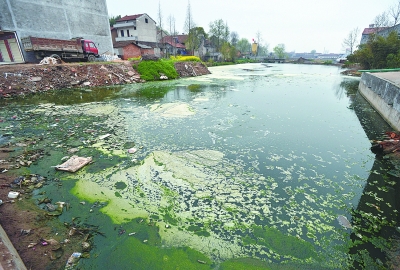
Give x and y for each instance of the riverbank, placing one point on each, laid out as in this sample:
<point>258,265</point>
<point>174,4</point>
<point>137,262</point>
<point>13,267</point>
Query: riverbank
<point>26,79</point>
<point>382,90</point>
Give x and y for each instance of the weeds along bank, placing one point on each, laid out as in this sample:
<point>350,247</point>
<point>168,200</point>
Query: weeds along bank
<point>27,79</point>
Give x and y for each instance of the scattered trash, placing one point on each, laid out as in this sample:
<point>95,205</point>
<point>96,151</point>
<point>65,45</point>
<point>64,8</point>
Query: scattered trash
<point>202,262</point>
<point>344,222</point>
<point>13,194</point>
<point>49,61</point>
<point>104,136</point>
<point>132,150</point>
<point>25,232</point>
<point>73,261</point>
<point>74,163</point>
<point>132,233</point>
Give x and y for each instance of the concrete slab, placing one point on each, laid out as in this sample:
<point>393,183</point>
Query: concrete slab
<point>393,77</point>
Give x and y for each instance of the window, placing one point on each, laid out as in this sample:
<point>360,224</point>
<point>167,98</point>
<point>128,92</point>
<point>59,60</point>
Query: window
<point>134,28</point>
<point>122,33</point>
<point>127,33</point>
<point>146,20</point>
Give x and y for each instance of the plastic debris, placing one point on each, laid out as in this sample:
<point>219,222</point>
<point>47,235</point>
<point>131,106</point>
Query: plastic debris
<point>74,163</point>
<point>13,194</point>
<point>132,150</point>
<point>344,222</point>
<point>73,260</point>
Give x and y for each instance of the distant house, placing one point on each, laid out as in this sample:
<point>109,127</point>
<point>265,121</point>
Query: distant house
<point>132,49</point>
<point>133,34</point>
<point>370,30</point>
<point>172,46</point>
<point>329,56</point>
<point>138,27</point>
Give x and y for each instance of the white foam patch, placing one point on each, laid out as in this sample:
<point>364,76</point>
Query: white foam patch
<point>172,109</point>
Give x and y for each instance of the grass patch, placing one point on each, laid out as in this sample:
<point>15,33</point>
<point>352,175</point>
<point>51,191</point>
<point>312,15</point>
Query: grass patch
<point>152,70</point>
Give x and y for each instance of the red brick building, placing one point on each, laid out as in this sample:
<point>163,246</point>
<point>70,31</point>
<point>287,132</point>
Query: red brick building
<point>132,49</point>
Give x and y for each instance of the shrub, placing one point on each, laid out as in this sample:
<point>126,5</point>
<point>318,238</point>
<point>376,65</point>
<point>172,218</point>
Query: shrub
<point>152,70</point>
<point>188,58</point>
<point>135,58</point>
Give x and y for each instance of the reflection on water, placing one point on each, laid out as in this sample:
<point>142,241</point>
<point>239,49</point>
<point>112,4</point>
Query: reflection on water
<point>248,162</point>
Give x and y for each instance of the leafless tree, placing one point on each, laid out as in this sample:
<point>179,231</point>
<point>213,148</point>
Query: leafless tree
<point>234,38</point>
<point>189,23</point>
<point>160,23</point>
<point>382,20</point>
<point>226,33</point>
<point>394,13</point>
<point>351,40</point>
<point>171,23</point>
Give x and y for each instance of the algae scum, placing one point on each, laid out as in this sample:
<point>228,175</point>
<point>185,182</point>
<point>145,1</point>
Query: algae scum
<point>249,167</point>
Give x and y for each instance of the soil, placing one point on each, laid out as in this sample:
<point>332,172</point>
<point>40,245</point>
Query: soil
<point>30,228</point>
<point>25,79</point>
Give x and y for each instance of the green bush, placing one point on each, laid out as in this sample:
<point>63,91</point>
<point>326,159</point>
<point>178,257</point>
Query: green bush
<point>152,70</point>
<point>378,53</point>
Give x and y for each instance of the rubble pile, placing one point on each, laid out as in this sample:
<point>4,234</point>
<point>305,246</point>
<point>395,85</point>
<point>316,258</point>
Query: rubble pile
<point>191,69</point>
<point>26,79</point>
<point>30,78</point>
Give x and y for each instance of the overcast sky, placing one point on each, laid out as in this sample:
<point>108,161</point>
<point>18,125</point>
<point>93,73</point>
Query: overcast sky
<point>302,25</point>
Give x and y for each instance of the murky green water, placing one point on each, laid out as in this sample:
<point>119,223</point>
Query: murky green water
<point>247,168</point>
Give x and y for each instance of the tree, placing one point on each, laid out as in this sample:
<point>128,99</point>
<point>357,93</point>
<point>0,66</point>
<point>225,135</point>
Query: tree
<point>394,12</point>
<point>351,40</point>
<point>258,40</point>
<point>160,23</point>
<point>228,52</point>
<point>195,38</point>
<point>243,45</point>
<point>263,49</point>
<point>379,52</point>
<point>113,19</point>
<point>382,20</point>
<point>189,24</point>
<point>234,38</point>
<point>279,51</point>
<point>171,23</point>
<point>217,33</point>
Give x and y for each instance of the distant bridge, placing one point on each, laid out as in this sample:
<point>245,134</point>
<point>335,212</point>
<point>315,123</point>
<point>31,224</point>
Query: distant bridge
<point>274,60</point>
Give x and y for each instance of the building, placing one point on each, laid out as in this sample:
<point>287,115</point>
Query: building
<point>372,30</point>
<point>138,27</point>
<point>133,31</point>
<point>173,45</point>
<point>132,49</point>
<point>51,19</point>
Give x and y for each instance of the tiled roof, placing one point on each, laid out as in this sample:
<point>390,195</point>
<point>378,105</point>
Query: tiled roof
<point>368,31</point>
<point>129,18</point>
<point>141,44</point>
<point>170,40</point>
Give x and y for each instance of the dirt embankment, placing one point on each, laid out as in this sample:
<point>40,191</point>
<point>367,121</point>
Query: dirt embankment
<point>26,79</point>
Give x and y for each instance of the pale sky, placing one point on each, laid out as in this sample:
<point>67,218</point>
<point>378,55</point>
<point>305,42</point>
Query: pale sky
<point>302,25</point>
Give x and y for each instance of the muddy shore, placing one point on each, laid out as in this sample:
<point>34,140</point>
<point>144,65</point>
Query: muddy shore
<point>29,228</point>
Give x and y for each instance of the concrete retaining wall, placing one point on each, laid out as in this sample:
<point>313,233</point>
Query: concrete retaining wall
<point>61,19</point>
<point>383,95</point>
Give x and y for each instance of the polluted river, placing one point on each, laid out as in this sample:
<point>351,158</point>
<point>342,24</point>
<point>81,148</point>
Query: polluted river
<point>253,166</point>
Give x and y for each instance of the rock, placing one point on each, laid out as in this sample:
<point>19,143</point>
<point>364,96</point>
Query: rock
<point>35,79</point>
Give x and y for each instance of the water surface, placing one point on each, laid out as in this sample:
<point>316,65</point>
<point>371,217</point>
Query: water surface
<point>249,166</point>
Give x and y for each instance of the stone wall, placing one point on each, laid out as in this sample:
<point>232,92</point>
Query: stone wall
<point>61,19</point>
<point>383,96</point>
